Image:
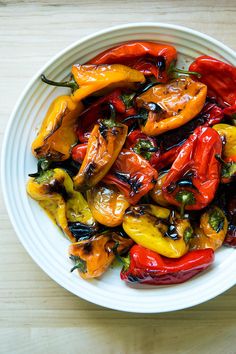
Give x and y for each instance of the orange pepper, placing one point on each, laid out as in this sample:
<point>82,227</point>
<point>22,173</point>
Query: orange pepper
<point>57,132</point>
<point>212,230</point>
<point>92,257</point>
<point>107,204</point>
<point>92,78</point>
<point>175,104</point>
<point>105,143</point>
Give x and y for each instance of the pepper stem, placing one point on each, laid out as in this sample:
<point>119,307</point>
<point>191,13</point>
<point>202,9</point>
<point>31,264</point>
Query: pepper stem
<point>173,69</point>
<point>71,83</point>
<point>125,261</point>
<point>184,198</point>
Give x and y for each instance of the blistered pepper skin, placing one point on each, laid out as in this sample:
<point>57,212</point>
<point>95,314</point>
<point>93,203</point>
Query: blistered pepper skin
<point>55,194</point>
<point>147,225</point>
<point>107,205</point>
<point>104,146</point>
<point>195,171</point>
<point>93,78</point>
<point>208,235</point>
<point>148,267</point>
<point>93,257</point>
<point>57,132</point>
<point>147,57</point>
<point>179,101</point>
<point>157,194</point>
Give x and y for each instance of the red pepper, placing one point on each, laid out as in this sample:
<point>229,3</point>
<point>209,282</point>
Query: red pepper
<point>194,176</point>
<point>170,143</point>
<point>78,152</point>
<point>142,144</point>
<point>219,77</point>
<point>212,113</point>
<point>132,175</point>
<point>165,159</point>
<point>121,104</point>
<point>95,111</point>
<point>148,57</point>
<point>229,111</point>
<point>148,267</point>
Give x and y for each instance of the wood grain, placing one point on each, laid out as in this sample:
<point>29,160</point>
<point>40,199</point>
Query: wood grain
<point>36,314</point>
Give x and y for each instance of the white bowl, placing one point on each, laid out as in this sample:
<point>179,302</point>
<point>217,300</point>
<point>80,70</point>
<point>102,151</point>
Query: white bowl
<point>43,241</point>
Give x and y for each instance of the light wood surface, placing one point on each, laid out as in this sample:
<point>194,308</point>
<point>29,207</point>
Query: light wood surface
<point>36,314</point>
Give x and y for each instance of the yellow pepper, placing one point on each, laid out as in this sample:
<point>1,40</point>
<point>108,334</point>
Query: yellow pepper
<point>171,105</point>
<point>105,143</point>
<point>57,132</point>
<point>153,227</point>
<point>92,257</point>
<point>228,133</point>
<point>53,189</point>
<point>157,194</point>
<point>107,205</point>
<point>212,230</point>
<point>92,78</point>
<point>89,79</point>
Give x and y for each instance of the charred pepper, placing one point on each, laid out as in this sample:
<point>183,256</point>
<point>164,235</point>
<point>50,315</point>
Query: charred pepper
<point>147,57</point>
<point>132,174</point>
<point>193,179</point>
<point>107,204</point>
<point>168,106</point>
<point>105,143</point>
<point>57,132</point>
<point>155,228</point>
<point>219,77</point>
<point>88,79</point>
<point>212,230</point>
<point>92,257</point>
<point>53,189</point>
<point>147,267</point>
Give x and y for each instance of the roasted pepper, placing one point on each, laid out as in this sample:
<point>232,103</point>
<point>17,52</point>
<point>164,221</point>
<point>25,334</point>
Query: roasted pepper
<point>219,77</point>
<point>132,175</point>
<point>88,79</point>
<point>105,143</point>
<point>148,57</point>
<point>141,144</point>
<point>148,267</point>
<point>155,228</point>
<point>228,135</point>
<point>107,204</point>
<point>53,189</point>
<point>157,194</point>
<point>193,179</point>
<point>118,102</point>
<point>57,132</point>
<point>168,106</point>
<point>92,257</point>
<point>212,231</point>
<point>78,152</point>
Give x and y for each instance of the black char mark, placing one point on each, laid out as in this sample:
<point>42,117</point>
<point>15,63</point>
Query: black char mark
<point>134,184</point>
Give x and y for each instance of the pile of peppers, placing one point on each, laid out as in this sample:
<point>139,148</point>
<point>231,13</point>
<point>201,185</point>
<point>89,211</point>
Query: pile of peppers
<point>137,162</point>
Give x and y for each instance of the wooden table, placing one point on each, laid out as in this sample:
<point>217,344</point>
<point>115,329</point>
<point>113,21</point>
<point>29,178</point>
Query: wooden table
<point>36,314</point>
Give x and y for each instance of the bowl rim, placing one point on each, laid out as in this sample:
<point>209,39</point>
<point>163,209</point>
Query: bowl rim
<point>25,92</point>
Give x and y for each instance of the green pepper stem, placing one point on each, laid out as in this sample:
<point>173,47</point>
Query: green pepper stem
<point>173,69</point>
<point>125,261</point>
<point>184,197</point>
<point>182,209</point>
<point>71,84</point>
